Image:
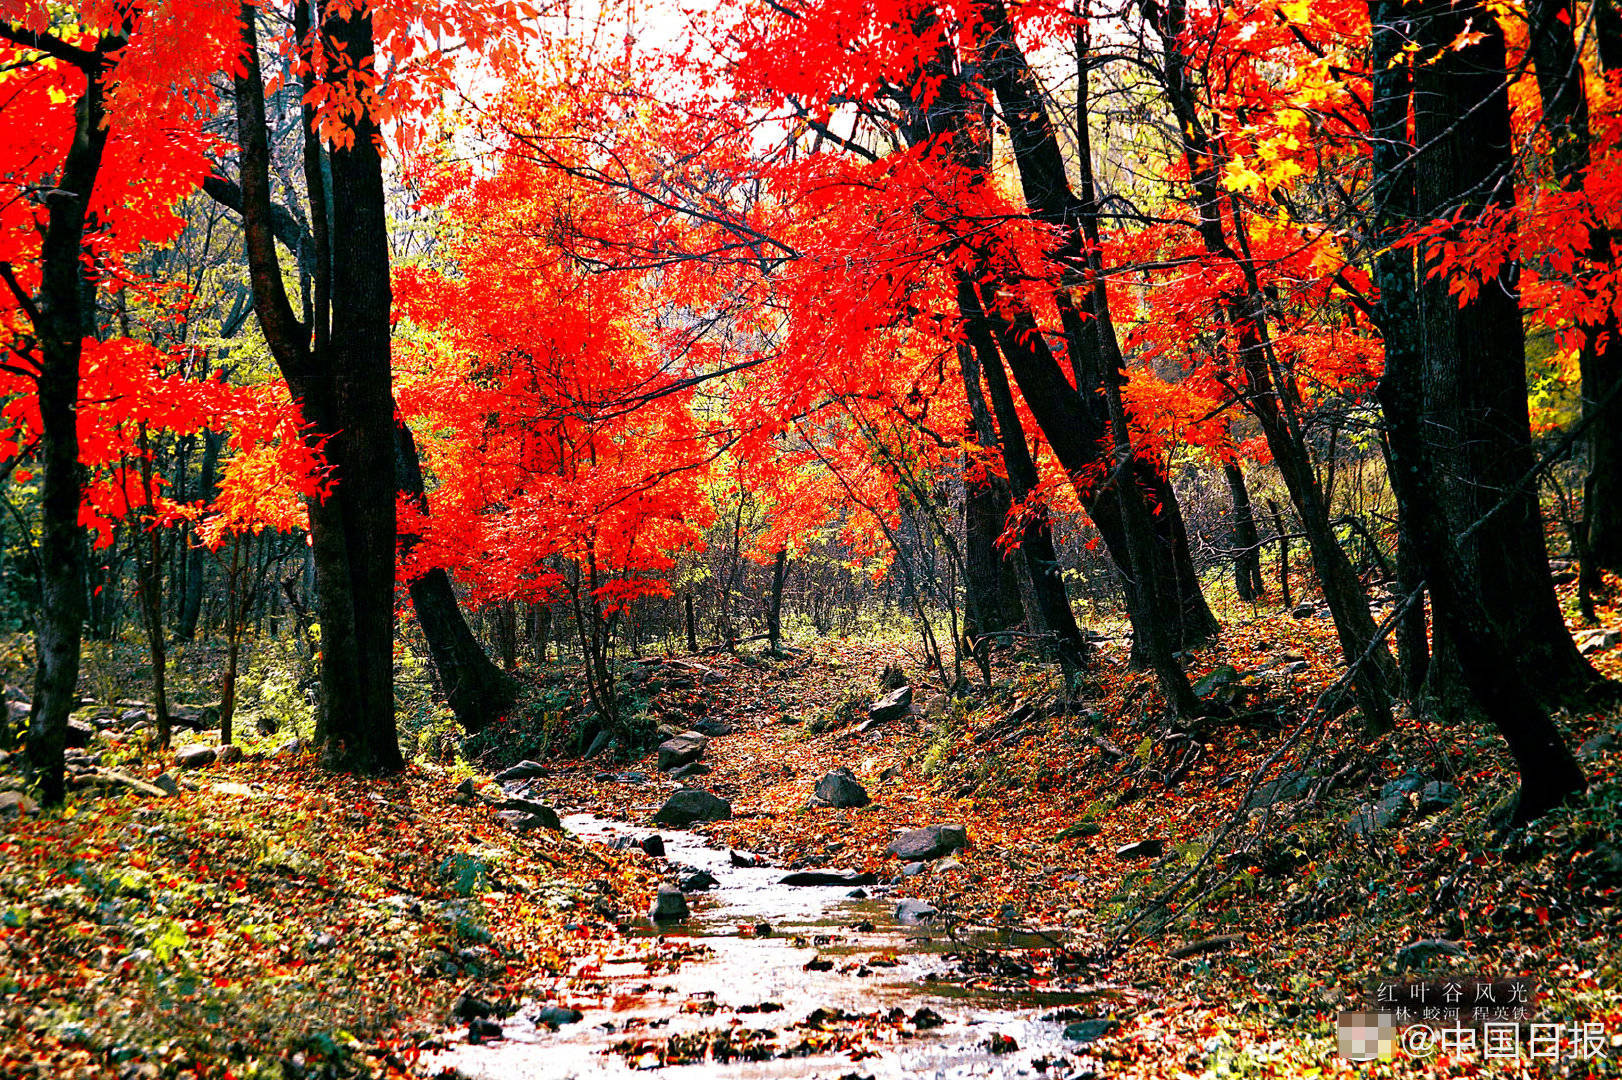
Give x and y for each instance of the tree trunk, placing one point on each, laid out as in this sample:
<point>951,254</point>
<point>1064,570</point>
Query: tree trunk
<point>1461,89</point>
<point>475,688</point>
<point>1475,361</point>
<point>149,584</point>
<point>1245,540</point>
<point>1412,630</point>
<point>1283,554</point>
<point>1565,114</point>
<point>196,560</point>
<point>692,623</point>
<point>61,319</point>
<point>344,387</point>
<point>1052,609</point>
<point>1075,418</point>
<point>991,581</point>
<point>774,605</point>
<point>1268,389</point>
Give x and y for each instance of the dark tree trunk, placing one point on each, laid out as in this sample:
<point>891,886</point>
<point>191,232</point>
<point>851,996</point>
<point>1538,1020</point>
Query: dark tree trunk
<point>474,687</point>
<point>1076,418</point>
<point>1283,554</point>
<point>1565,115</point>
<point>991,582</point>
<point>1460,104</point>
<point>774,603</point>
<point>61,318</point>
<point>149,585</point>
<point>692,623</point>
<point>196,560</point>
<point>1268,388</point>
<point>1242,536</point>
<point>1412,630</point>
<point>1475,361</point>
<point>1052,610</point>
<point>344,386</point>
<point>362,737</point>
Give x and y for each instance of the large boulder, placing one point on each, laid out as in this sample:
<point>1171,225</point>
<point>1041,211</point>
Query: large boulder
<point>1377,816</point>
<point>524,770</point>
<point>15,803</point>
<point>683,749</point>
<point>892,706</point>
<point>1287,788</point>
<point>195,756</point>
<point>839,789</point>
<point>690,805</point>
<point>544,816</point>
<point>930,842</point>
<point>196,717</point>
<point>80,733</point>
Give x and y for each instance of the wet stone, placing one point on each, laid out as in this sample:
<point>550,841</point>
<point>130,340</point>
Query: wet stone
<point>547,817</point>
<point>828,877</point>
<point>669,906</point>
<point>690,805</point>
<point>555,1016</point>
<point>481,1030</point>
<point>698,881</point>
<point>521,821</point>
<point>469,1007</point>
<point>654,845</point>
<point>1086,1031</point>
<point>915,912</point>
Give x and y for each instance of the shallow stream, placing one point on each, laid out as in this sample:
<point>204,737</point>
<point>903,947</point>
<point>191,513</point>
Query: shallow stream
<point>834,989</point>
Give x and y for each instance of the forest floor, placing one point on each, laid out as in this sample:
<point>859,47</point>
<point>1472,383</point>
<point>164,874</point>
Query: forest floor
<point>270,920</point>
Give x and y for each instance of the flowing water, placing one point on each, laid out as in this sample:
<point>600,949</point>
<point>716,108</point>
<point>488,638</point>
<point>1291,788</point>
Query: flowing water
<point>833,990</point>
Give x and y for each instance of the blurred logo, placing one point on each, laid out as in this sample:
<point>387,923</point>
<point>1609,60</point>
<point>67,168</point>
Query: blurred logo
<point>1368,1036</point>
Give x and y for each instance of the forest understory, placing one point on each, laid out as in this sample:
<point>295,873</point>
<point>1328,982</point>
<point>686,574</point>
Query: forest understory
<point>269,919</point>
